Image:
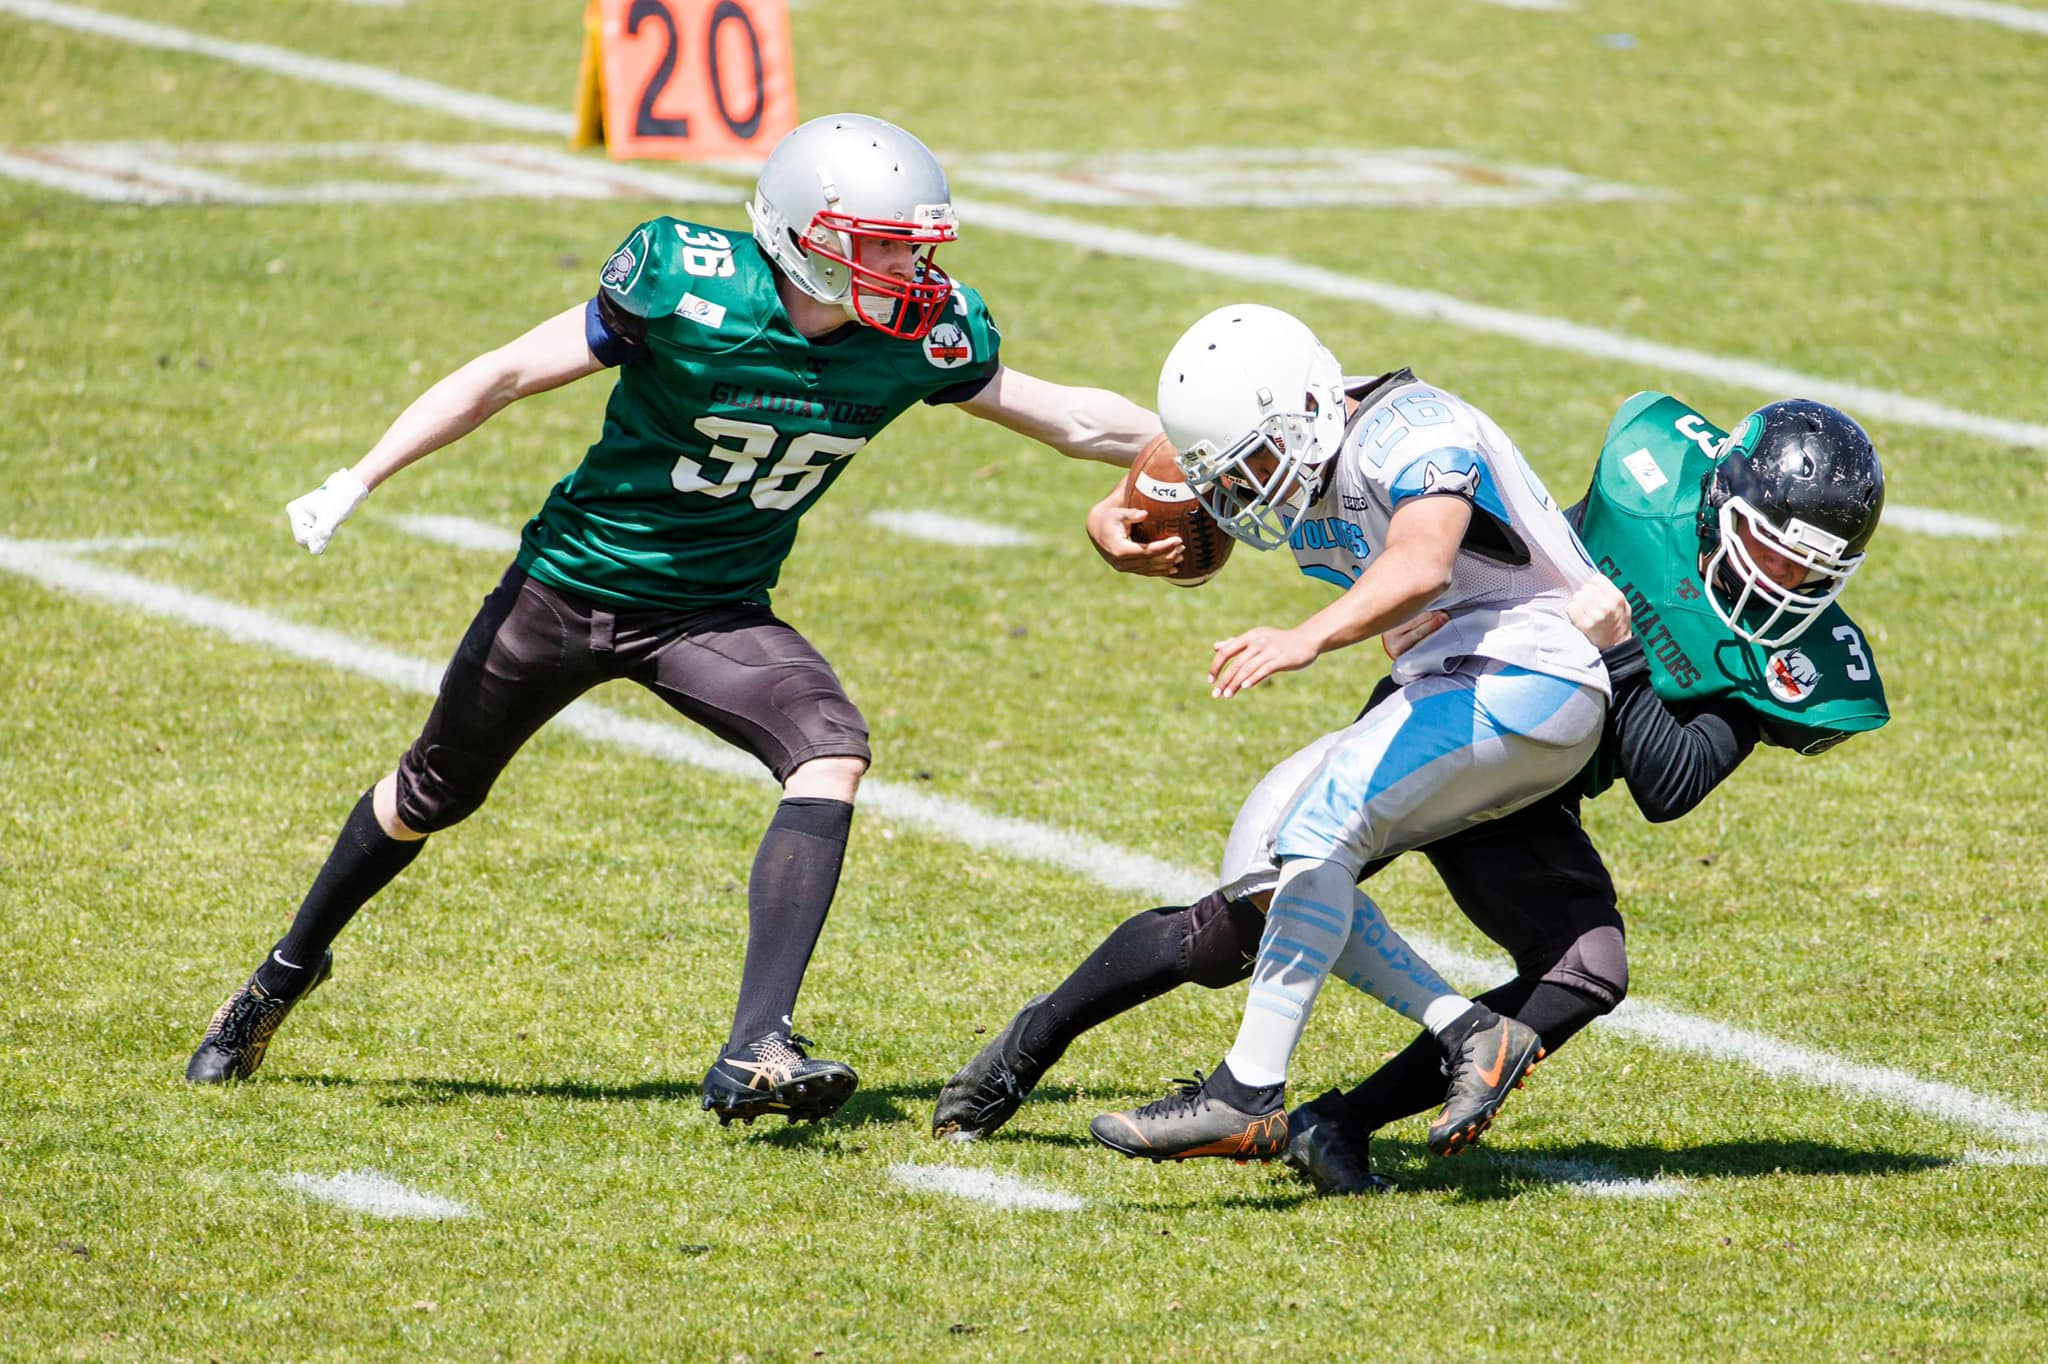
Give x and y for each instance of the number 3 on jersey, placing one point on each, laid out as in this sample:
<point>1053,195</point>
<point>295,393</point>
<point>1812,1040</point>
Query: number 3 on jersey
<point>784,481</point>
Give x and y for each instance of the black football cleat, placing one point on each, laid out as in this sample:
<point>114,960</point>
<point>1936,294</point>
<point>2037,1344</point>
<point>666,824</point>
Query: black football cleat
<point>1322,1150</point>
<point>776,1075</point>
<point>989,1089</point>
<point>1193,1121</point>
<point>242,1028</point>
<point>1484,1071</point>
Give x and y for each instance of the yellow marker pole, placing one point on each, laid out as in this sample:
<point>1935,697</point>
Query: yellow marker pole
<point>589,130</point>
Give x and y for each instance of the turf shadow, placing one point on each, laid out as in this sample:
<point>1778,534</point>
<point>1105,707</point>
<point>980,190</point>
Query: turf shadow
<point>1509,1170</point>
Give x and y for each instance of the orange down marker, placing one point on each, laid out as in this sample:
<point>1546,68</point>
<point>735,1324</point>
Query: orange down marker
<point>687,80</point>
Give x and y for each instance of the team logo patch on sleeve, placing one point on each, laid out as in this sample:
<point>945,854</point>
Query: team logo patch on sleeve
<point>947,346</point>
<point>1791,675</point>
<point>1462,482</point>
<point>623,269</point>
<point>620,268</point>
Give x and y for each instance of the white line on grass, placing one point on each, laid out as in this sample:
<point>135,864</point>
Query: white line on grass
<point>1722,1041</point>
<point>462,532</point>
<point>2006,16</point>
<point>156,172</point>
<point>2037,1155</point>
<point>940,528</point>
<point>984,1186</point>
<point>1116,868</point>
<point>1545,332</point>
<point>1593,1179</point>
<point>378,1195</point>
<point>1927,521</point>
<point>370,80</point>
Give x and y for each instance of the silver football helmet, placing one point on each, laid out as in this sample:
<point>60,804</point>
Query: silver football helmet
<point>841,181</point>
<point>1255,406</point>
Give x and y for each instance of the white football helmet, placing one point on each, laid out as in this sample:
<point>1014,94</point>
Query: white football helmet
<point>839,181</point>
<point>1255,406</point>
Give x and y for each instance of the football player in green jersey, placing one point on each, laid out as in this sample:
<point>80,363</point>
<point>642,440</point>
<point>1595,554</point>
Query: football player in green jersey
<point>751,368</point>
<point>1719,629</point>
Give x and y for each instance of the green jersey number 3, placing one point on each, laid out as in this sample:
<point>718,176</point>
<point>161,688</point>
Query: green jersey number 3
<point>785,480</point>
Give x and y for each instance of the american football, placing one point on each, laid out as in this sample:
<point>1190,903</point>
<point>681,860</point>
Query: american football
<point>1156,487</point>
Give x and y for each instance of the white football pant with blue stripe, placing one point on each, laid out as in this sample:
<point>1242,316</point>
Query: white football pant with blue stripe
<point>1447,751</point>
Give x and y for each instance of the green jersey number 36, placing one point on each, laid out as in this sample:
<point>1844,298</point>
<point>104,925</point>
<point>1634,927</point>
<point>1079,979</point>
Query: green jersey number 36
<point>786,483</point>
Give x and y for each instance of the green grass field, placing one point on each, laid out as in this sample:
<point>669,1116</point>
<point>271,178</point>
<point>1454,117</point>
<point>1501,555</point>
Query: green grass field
<point>1851,1167</point>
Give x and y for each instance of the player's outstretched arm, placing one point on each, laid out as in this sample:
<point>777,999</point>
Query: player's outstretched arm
<point>1084,423</point>
<point>550,355</point>
<point>1081,423</point>
<point>1408,574</point>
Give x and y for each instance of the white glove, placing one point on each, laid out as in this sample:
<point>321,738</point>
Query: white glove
<point>316,516</point>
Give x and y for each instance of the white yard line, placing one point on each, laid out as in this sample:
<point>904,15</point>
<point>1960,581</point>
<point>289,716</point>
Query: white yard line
<point>1591,1178</point>
<point>984,1186</point>
<point>1546,332</point>
<point>1116,868</point>
<point>1724,1041</point>
<point>462,532</point>
<point>370,80</point>
<point>378,1195</point>
<point>1926,521</point>
<point>943,529</point>
<point>2034,1156</point>
<point>2006,16</point>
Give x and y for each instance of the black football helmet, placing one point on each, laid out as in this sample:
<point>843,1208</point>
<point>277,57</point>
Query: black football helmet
<point>1806,481</point>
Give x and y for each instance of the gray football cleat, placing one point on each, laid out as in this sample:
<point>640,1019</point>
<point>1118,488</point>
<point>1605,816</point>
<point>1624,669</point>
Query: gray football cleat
<point>988,1090</point>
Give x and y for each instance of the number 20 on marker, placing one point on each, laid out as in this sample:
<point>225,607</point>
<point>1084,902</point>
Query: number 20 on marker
<point>697,79</point>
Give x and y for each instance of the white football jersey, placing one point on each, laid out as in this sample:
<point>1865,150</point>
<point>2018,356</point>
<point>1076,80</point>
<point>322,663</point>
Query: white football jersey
<point>1520,562</point>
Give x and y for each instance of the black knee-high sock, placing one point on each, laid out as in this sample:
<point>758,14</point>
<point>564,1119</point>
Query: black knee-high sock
<point>789,893</point>
<point>1413,1082</point>
<point>1140,960</point>
<point>364,860</point>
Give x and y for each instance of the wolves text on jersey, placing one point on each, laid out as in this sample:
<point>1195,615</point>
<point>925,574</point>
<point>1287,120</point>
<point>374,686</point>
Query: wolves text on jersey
<point>1329,532</point>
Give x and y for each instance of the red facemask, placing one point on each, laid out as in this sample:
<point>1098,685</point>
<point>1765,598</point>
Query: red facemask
<point>919,300</point>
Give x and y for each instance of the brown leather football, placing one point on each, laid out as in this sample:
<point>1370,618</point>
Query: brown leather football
<point>1156,487</point>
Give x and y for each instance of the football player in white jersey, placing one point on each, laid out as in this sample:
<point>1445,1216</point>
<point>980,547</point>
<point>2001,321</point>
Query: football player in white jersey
<point>1407,499</point>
